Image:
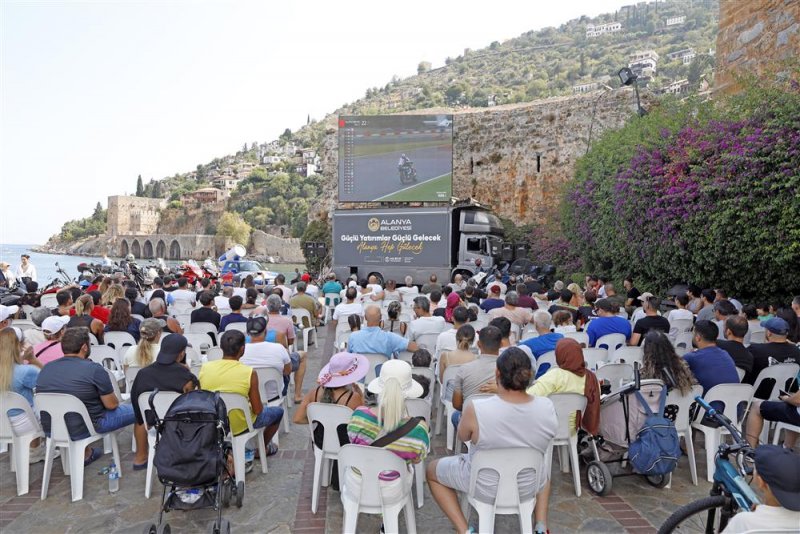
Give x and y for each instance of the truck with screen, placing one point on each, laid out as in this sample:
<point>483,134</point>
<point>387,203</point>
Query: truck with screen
<point>393,243</point>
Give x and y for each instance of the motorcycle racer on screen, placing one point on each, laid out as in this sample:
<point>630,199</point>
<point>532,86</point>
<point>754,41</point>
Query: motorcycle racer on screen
<point>408,174</point>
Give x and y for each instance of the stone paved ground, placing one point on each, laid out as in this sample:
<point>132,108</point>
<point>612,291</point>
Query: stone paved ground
<point>280,501</point>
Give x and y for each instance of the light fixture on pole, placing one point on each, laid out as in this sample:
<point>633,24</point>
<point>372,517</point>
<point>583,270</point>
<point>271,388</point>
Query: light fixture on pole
<point>628,77</point>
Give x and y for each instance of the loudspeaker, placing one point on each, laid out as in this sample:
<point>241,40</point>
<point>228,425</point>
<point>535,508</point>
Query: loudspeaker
<point>521,250</point>
<point>507,252</point>
<point>311,249</point>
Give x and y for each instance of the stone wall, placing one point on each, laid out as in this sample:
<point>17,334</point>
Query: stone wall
<point>133,215</point>
<point>282,250</point>
<point>514,158</point>
<point>171,247</point>
<point>754,35</point>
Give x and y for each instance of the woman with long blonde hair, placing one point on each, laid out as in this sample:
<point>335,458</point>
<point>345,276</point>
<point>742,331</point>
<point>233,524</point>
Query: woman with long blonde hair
<point>145,352</point>
<point>114,292</point>
<point>83,317</point>
<point>17,377</point>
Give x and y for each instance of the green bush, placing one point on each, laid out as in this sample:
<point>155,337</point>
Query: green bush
<point>697,194</point>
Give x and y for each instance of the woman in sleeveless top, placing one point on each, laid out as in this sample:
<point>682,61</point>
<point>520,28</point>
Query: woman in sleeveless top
<point>82,317</point>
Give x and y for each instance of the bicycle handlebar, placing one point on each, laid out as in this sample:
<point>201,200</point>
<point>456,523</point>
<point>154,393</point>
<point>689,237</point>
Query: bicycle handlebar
<point>724,421</point>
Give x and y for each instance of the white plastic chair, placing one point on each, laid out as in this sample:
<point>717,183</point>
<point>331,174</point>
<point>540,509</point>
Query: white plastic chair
<point>214,353</point>
<point>265,376</point>
<point>549,359</point>
<point>49,301</point>
<point>204,328</point>
<point>731,395</point>
<point>330,416</point>
<point>758,336</point>
<point>566,438</point>
<point>130,376</point>
<point>374,361</point>
<point>106,356</point>
<point>741,372</point>
<point>138,317</point>
<point>185,320</point>
<point>580,337</point>
<point>20,444</point>
<point>93,340</point>
<point>430,374</point>
<point>682,422</point>
<point>780,427</point>
<point>364,495</point>
<point>428,341</point>
<point>629,354</point>
<point>420,408</point>
<point>683,343</point>
<point>118,340</point>
<point>161,402</point>
<point>23,324</point>
<point>507,463</point>
<point>611,342</point>
<point>241,327</point>
<point>331,300</point>
<point>679,326</point>
<point>446,405</point>
<point>233,402</point>
<point>781,374</point>
<point>303,320</point>
<point>593,356</point>
<point>59,405</point>
<point>616,373</point>
<point>198,341</point>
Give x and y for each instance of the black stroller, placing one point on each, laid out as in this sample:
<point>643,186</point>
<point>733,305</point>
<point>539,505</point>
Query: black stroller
<point>191,458</point>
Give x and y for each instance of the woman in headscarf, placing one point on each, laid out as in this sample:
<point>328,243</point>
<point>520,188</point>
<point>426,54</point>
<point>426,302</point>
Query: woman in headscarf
<point>571,376</point>
<point>453,302</point>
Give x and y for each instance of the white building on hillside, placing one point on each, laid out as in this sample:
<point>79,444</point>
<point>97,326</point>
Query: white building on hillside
<point>675,21</point>
<point>596,30</point>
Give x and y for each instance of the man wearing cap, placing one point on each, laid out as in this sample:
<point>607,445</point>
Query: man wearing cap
<point>50,349</point>
<point>493,301</point>
<point>371,339</point>
<point>7,315</point>
<point>230,375</point>
<point>34,336</point>
<point>75,374</point>
<point>607,322</point>
<point>639,312</point>
<point>777,475</point>
<point>167,373</point>
<point>777,347</point>
<point>263,351</point>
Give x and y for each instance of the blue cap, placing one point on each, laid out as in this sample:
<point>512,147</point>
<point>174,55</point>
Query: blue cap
<point>777,326</point>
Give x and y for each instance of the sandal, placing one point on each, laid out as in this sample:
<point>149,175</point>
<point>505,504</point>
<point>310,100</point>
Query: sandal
<point>94,456</point>
<point>272,449</point>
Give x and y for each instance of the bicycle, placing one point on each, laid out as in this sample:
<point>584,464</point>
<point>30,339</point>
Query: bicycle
<point>730,493</point>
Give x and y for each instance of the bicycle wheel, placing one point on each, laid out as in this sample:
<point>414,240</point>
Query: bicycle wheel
<point>703,515</point>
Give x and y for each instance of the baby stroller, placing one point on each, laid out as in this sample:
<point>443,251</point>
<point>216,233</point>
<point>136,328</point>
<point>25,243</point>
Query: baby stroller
<point>191,458</point>
<point>622,416</point>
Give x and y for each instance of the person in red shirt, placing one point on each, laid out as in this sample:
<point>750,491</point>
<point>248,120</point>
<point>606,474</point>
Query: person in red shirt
<point>306,277</point>
<point>99,312</point>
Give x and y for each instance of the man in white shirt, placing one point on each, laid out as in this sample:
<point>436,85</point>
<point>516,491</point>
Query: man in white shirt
<point>183,296</point>
<point>26,269</point>
<point>261,353</point>
<point>446,342</point>
<point>349,307</point>
<point>372,283</point>
<point>777,475</point>
<point>409,288</point>
<point>222,302</point>
<point>458,283</point>
<point>425,323</point>
<point>280,281</point>
<point>312,289</point>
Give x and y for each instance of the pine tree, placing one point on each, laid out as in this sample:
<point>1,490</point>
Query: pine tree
<point>98,212</point>
<point>139,187</point>
<point>157,189</point>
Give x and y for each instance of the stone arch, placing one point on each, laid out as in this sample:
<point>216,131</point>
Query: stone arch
<point>161,249</point>
<point>123,248</point>
<point>136,249</point>
<point>147,249</point>
<point>174,250</point>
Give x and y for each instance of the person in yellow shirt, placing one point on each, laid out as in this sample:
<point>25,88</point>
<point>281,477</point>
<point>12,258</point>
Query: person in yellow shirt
<point>229,375</point>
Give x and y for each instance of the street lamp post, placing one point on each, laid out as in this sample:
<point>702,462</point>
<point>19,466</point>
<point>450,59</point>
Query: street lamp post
<point>628,77</point>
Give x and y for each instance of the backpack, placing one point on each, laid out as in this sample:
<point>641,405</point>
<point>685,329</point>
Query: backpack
<point>190,446</point>
<point>656,449</point>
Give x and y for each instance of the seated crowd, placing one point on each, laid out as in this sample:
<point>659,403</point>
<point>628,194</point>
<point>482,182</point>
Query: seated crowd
<point>493,340</point>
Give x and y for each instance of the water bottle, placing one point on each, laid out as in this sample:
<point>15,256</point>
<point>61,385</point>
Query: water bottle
<point>113,479</point>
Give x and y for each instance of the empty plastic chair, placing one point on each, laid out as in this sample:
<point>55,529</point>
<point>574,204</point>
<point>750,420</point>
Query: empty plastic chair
<point>683,424</point>
<point>594,356</point>
<point>629,355</point>
<point>204,328</point>
<point>616,373</point>
<point>273,375</point>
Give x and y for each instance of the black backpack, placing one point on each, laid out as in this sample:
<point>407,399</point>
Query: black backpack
<point>189,450</point>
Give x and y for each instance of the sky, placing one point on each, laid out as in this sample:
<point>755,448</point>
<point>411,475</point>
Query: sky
<point>94,93</point>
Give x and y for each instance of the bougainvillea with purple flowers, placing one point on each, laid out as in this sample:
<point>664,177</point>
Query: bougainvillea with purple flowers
<point>695,192</point>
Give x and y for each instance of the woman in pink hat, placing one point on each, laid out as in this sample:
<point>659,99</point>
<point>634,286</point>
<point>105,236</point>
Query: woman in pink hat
<point>337,385</point>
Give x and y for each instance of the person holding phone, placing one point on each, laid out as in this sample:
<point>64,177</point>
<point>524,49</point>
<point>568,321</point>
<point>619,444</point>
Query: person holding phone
<point>785,410</point>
